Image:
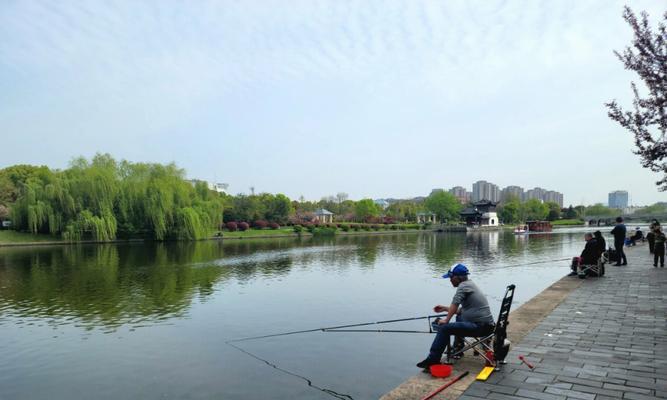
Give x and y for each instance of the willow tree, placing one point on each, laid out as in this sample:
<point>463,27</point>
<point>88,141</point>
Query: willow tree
<point>99,198</point>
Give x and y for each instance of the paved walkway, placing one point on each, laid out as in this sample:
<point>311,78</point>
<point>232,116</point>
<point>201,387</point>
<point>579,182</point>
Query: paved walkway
<point>606,340</point>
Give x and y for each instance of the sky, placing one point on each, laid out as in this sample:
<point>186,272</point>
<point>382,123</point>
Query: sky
<point>379,99</point>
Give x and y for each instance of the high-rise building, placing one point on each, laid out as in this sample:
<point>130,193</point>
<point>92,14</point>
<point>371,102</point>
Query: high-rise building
<point>483,190</point>
<point>513,191</point>
<point>535,193</point>
<point>460,193</point>
<point>554,197</point>
<point>618,199</point>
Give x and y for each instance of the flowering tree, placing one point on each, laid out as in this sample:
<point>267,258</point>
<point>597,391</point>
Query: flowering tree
<point>648,121</point>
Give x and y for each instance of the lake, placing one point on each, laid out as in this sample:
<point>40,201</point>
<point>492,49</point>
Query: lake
<point>151,321</point>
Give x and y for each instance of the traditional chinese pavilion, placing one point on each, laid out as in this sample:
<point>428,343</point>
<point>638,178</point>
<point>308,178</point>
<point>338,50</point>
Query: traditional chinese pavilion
<point>482,213</point>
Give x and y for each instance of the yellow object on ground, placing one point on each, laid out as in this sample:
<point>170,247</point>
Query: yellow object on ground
<point>485,373</point>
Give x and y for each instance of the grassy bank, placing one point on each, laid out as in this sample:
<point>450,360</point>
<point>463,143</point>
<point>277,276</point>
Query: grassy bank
<point>21,237</point>
<point>568,222</point>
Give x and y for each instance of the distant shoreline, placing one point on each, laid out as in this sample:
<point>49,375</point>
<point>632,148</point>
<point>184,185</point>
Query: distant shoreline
<point>268,236</point>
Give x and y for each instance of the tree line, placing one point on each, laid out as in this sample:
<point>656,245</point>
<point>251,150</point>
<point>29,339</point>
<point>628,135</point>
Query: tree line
<point>104,199</point>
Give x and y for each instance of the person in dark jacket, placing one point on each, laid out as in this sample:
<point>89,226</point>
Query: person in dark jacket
<point>591,252</point>
<point>650,236</point>
<point>659,250</point>
<point>619,233</point>
<point>602,244</point>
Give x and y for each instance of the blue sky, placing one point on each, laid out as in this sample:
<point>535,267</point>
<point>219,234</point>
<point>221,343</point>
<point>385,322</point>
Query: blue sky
<point>371,98</point>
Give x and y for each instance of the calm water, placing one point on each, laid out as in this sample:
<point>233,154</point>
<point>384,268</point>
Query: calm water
<point>151,321</point>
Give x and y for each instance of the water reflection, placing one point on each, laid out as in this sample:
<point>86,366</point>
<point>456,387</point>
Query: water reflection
<point>66,310</point>
<point>110,285</point>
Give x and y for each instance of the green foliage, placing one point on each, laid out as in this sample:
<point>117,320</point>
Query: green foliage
<point>402,211</point>
<point>365,209</point>
<point>535,210</point>
<point>571,213</point>
<point>554,211</point>
<point>600,210</point>
<point>568,222</point>
<point>102,198</point>
<point>444,204</point>
<point>323,231</point>
<point>657,208</point>
<point>510,212</point>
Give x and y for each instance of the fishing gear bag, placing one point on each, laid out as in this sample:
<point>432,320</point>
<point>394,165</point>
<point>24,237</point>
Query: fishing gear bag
<point>612,255</point>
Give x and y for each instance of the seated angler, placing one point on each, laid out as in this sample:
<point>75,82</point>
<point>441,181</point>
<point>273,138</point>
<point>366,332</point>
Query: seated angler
<point>591,252</point>
<point>475,317</point>
<point>639,235</point>
<point>589,256</point>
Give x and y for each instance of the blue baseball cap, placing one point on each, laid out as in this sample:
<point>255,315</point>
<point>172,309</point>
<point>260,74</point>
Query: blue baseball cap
<point>456,270</point>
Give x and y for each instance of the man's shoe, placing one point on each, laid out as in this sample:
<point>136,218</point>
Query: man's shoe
<point>625,263</point>
<point>572,273</point>
<point>617,265</point>
<point>655,265</point>
<point>427,363</point>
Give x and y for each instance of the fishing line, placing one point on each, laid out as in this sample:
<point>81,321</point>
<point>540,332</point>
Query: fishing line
<point>310,383</point>
<point>339,328</point>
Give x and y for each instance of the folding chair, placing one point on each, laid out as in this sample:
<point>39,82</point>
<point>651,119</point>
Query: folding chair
<point>596,270</point>
<point>495,353</point>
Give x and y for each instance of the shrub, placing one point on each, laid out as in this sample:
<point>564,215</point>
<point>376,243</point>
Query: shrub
<point>231,226</point>
<point>311,228</point>
<point>393,227</point>
<point>324,231</point>
<point>344,227</point>
<point>356,227</point>
<point>298,228</point>
<point>260,224</point>
<point>274,225</point>
<point>402,227</point>
<point>375,227</point>
<point>243,226</point>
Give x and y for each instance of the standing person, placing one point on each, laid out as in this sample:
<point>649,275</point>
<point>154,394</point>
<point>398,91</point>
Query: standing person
<point>619,233</point>
<point>650,236</point>
<point>475,319</point>
<point>659,249</point>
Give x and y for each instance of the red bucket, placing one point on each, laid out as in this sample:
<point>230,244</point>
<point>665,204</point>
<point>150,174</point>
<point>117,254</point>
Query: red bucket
<point>441,370</point>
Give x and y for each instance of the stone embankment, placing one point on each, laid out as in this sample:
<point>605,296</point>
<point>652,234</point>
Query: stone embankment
<point>596,339</point>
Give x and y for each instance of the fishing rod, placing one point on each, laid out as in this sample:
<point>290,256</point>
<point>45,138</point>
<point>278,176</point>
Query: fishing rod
<point>334,328</point>
<point>375,330</point>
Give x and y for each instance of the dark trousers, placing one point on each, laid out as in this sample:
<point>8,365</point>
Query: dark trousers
<point>651,242</point>
<point>659,254</point>
<point>618,244</point>
<point>458,328</point>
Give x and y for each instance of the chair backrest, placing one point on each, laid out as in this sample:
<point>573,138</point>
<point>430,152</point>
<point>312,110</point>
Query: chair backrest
<point>505,307</point>
<point>500,333</point>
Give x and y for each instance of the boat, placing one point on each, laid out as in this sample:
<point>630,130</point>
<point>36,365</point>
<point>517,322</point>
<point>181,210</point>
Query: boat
<point>521,229</point>
<point>539,226</point>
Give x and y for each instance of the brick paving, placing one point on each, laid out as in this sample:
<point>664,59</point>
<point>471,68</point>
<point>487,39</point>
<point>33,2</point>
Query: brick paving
<point>606,340</point>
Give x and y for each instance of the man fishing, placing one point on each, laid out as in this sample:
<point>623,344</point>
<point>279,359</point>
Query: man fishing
<point>473,315</point>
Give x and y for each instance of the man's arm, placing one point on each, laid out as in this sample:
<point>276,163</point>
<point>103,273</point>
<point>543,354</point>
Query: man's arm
<point>451,312</point>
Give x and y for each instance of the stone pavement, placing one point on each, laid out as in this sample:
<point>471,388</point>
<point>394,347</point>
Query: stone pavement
<point>606,340</point>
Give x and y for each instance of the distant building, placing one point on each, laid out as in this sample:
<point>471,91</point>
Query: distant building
<point>217,187</point>
<point>434,191</point>
<point>554,197</point>
<point>324,216</point>
<point>535,193</point>
<point>461,194</point>
<point>482,213</point>
<point>483,190</point>
<point>424,217</point>
<point>512,191</point>
<point>618,199</point>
